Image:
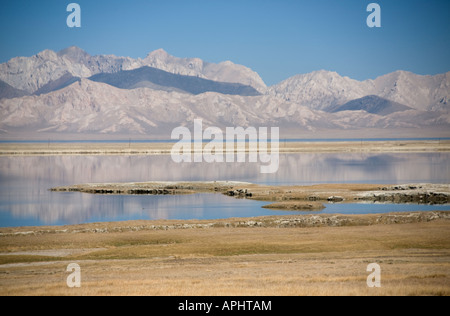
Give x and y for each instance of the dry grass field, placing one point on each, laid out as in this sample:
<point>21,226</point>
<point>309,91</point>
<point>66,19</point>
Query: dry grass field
<point>248,257</point>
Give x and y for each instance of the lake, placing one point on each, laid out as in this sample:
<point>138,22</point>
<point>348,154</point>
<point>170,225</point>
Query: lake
<point>26,201</point>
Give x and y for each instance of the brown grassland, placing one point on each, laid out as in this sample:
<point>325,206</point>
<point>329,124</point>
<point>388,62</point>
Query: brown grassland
<point>157,258</point>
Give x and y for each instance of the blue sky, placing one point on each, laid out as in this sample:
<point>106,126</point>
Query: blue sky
<point>276,38</point>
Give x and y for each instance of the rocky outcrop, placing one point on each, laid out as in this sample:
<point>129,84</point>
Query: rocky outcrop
<point>335,199</point>
<point>419,194</point>
<point>240,193</point>
<point>342,220</point>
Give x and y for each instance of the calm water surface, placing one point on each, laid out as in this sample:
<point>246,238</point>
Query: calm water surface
<point>26,201</point>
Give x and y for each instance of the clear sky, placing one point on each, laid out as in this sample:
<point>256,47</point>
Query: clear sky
<point>276,38</point>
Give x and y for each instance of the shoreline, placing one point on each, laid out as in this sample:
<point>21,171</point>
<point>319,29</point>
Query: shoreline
<point>124,148</point>
<point>271,221</point>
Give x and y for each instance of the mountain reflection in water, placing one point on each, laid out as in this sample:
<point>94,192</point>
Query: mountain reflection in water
<point>25,199</point>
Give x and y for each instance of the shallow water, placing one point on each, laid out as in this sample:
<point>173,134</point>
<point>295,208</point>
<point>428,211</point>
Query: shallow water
<point>26,201</point>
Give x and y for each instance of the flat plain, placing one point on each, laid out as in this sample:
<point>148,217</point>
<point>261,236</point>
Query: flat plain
<point>283,255</point>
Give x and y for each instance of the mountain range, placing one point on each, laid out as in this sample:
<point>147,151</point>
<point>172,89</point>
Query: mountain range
<point>73,94</point>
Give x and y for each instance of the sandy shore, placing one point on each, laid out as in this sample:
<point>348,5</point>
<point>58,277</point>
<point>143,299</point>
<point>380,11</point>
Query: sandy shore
<point>12,149</point>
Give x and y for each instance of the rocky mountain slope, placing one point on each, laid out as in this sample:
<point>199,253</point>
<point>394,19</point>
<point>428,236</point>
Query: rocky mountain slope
<point>323,89</point>
<point>93,107</point>
<point>6,91</point>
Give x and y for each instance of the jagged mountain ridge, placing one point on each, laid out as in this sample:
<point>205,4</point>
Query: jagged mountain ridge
<point>32,73</point>
<point>225,71</point>
<point>324,89</point>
